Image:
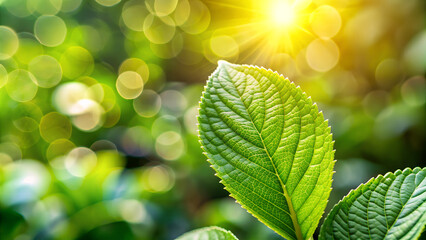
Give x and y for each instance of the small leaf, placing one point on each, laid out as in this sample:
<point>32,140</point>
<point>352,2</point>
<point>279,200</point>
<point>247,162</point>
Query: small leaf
<point>208,233</point>
<point>387,207</point>
<point>269,145</point>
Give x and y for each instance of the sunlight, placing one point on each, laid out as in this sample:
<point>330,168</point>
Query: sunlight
<point>270,26</point>
<point>282,14</point>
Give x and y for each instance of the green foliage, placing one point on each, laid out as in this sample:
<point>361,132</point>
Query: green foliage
<point>274,153</point>
<point>81,157</point>
<point>269,145</point>
<point>387,207</point>
<point>208,233</point>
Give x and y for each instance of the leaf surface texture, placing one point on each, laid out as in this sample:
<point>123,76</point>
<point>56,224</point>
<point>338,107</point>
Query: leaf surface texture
<point>387,207</point>
<point>269,145</point>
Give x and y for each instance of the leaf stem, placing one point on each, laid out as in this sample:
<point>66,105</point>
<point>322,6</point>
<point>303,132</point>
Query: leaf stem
<point>293,213</point>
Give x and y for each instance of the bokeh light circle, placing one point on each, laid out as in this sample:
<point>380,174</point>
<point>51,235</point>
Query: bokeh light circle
<point>21,85</point>
<point>174,102</point>
<point>132,211</point>
<point>47,71</point>
<point>198,19</point>
<point>112,116</point>
<point>133,15</point>
<point>169,50</point>
<point>159,30</point>
<point>50,30</point>
<point>102,145</point>
<point>169,145</point>
<point>109,99</point>
<point>80,161</point>
<point>67,95</point>
<point>28,109</point>
<point>29,48</point>
<point>26,124</point>
<point>181,13</point>
<point>148,104</point>
<point>93,38</point>
<point>70,5</point>
<point>48,7</point>
<point>224,46</point>
<point>158,179</point>
<point>17,8</point>
<point>9,42</point>
<point>96,92</point>
<point>164,7</point>
<point>326,21</point>
<point>108,3</point>
<point>59,147</point>
<point>322,55</point>
<point>136,65</point>
<point>164,124</point>
<point>76,61</point>
<point>55,126</point>
<point>10,149</point>
<point>89,115</point>
<point>129,84</point>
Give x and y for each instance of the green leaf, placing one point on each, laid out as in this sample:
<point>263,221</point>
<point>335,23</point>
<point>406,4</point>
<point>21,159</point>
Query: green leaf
<point>387,207</point>
<point>269,145</point>
<point>208,233</point>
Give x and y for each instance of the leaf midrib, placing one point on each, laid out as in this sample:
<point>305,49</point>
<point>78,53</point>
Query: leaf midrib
<point>402,208</point>
<point>293,214</point>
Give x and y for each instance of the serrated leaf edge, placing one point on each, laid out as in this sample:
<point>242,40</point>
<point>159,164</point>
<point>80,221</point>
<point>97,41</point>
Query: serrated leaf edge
<point>284,189</point>
<point>353,191</point>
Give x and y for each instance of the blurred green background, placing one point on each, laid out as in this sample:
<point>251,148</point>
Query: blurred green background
<point>98,98</point>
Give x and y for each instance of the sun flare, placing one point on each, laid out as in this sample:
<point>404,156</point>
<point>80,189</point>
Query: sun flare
<point>271,27</point>
<point>282,14</point>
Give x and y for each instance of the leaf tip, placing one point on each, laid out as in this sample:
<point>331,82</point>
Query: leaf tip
<point>222,63</point>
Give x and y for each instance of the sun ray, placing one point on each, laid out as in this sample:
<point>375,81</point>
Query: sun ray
<point>236,27</point>
<point>222,4</point>
<point>270,27</point>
